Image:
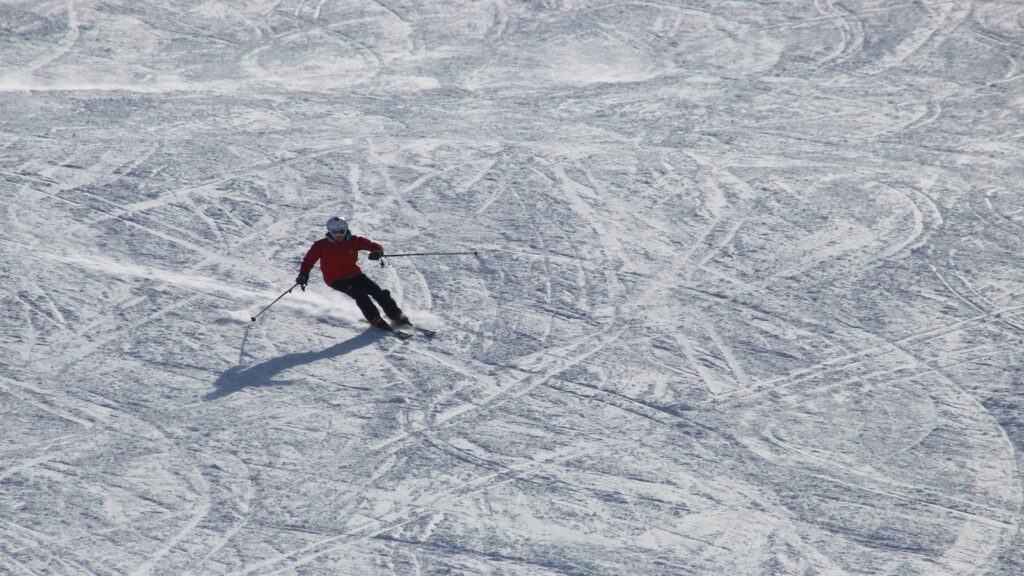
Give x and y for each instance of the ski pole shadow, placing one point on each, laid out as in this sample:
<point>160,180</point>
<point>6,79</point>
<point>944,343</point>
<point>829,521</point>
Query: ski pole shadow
<point>259,375</point>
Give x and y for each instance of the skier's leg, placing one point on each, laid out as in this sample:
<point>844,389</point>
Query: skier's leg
<point>357,290</point>
<point>383,297</point>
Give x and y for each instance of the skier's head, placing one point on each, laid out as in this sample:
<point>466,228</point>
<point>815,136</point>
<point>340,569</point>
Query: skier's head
<point>337,229</point>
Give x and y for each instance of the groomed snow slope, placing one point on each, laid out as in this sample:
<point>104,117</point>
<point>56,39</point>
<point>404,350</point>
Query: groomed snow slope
<point>748,300</point>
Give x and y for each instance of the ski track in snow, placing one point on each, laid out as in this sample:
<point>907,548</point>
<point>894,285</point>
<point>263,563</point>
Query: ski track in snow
<point>747,301</point>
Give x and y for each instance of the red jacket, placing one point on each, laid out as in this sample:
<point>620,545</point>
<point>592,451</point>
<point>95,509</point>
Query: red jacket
<point>337,259</point>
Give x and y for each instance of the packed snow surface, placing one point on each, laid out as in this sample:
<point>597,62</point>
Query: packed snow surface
<point>748,298</point>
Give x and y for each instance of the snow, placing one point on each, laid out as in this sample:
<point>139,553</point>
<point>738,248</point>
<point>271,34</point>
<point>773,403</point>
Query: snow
<point>747,299</point>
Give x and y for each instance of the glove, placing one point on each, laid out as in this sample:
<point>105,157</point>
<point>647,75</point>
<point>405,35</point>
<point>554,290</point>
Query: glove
<point>376,255</point>
<point>302,279</point>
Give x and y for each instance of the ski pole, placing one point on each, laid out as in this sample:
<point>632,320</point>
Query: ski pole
<point>474,253</point>
<point>383,256</point>
<point>283,294</point>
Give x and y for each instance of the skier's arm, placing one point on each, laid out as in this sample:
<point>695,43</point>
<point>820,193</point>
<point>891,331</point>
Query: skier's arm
<point>376,250</point>
<point>307,264</point>
<point>310,259</point>
<point>367,244</point>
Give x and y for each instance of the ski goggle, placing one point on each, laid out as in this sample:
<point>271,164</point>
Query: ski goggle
<point>338,233</point>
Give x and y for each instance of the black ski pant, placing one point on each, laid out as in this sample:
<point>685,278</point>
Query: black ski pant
<point>361,288</point>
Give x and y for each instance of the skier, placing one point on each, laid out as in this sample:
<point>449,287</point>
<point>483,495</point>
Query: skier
<point>337,253</point>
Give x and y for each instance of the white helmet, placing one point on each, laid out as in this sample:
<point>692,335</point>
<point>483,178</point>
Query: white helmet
<point>337,229</point>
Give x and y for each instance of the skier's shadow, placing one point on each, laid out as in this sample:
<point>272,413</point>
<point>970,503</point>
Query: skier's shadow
<point>262,374</point>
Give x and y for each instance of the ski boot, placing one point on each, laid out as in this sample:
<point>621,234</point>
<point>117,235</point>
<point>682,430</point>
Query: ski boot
<point>379,322</point>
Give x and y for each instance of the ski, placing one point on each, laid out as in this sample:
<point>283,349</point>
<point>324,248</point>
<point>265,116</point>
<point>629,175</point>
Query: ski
<point>414,329</point>
<point>397,333</point>
<point>406,331</point>
<point>427,332</point>
<point>392,331</point>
